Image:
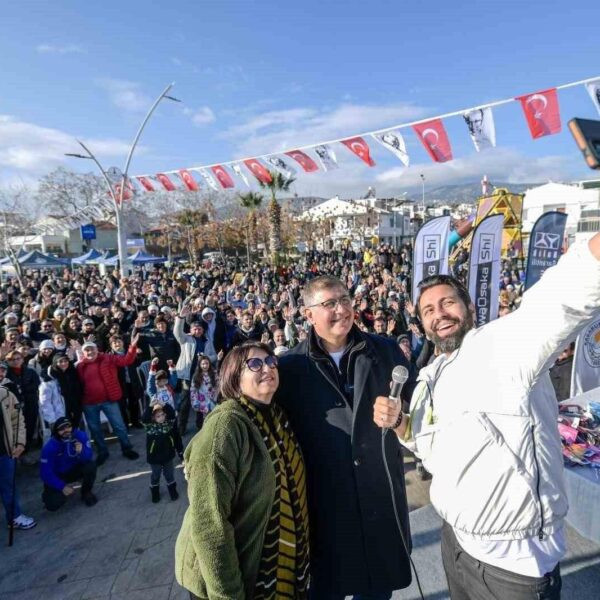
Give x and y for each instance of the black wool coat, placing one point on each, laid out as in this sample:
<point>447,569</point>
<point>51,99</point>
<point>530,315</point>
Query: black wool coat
<point>356,546</point>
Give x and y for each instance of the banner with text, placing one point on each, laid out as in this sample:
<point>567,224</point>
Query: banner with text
<point>586,361</point>
<point>545,245</point>
<point>430,255</point>
<point>484,268</point>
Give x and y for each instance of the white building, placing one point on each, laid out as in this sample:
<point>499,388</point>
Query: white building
<point>571,199</point>
<point>57,238</point>
<point>363,222</point>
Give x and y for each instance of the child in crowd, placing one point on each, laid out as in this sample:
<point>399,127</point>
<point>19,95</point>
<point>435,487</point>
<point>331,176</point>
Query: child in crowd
<point>204,390</point>
<point>161,387</point>
<point>162,443</point>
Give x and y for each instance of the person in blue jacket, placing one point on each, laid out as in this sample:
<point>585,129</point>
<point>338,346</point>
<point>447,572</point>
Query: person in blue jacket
<point>67,457</point>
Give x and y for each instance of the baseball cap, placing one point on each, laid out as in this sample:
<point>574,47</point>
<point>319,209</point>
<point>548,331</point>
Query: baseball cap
<point>87,322</point>
<point>88,345</point>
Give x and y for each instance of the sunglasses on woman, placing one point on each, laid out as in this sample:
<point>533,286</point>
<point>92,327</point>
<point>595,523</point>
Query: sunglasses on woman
<point>256,364</point>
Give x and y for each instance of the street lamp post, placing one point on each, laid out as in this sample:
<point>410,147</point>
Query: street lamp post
<point>118,198</point>
<point>423,195</point>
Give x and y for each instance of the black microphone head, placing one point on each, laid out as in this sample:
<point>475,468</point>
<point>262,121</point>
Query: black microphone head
<point>400,374</point>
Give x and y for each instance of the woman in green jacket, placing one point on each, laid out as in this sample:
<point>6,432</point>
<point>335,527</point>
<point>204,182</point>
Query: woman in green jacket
<point>245,533</point>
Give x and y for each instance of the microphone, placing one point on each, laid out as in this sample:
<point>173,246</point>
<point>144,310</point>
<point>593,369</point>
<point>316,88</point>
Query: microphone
<point>399,377</point>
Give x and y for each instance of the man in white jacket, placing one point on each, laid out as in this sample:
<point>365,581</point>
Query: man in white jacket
<point>483,420</point>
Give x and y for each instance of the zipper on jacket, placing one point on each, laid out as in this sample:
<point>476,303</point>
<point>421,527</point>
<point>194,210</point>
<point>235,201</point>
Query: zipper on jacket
<point>537,486</point>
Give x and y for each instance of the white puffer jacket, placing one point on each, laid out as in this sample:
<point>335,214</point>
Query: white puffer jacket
<point>52,403</point>
<point>483,420</point>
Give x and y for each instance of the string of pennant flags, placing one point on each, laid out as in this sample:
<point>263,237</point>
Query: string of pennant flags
<point>540,109</point>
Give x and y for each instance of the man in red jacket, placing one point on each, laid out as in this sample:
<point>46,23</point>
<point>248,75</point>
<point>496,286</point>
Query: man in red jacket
<point>99,374</point>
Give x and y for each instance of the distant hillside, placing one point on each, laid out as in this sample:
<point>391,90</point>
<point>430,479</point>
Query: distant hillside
<point>467,192</point>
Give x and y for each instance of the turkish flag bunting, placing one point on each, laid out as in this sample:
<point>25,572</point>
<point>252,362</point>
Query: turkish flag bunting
<point>190,183</point>
<point>360,148</point>
<point>223,176</point>
<point>433,136</point>
<point>166,182</point>
<point>304,160</point>
<point>128,191</point>
<point>542,112</point>
<point>146,183</point>
<point>258,170</point>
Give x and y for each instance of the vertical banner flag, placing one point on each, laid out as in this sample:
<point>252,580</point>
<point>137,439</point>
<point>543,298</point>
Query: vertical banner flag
<point>545,245</point>
<point>327,157</point>
<point>394,142</point>
<point>585,375</point>
<point>482,130</point>
<point>282,166</point>
<point>166,182</point>
<point>190,183</point>
<point>360,148</point>
<point>223,177</point>
<point>435,140</point>
<point>484,268</point>
<point>209,179</point>
<point>257,169</point>
<point>593,88</point>
<point>146,183</point>
<point>304,160</point>
<point>238,171</point>
<point>431,251</point>
<point>542,112</point>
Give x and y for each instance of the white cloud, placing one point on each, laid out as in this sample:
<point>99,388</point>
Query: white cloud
<point>125,94</point>
<point>54,49</point>
<point>200,116</point>
<point>277,130</point>
<point>27,148</point>
<point>502,164</point>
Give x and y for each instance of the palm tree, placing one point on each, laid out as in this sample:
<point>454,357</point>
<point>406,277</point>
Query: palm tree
<point>278,183</point>
<point>252,202</point>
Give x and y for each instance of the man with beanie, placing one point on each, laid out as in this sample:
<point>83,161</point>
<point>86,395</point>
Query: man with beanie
<point>67,457</point>
<point>99,375</point>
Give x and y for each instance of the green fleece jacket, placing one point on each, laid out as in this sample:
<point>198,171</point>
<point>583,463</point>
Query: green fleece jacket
<point>231,489</point>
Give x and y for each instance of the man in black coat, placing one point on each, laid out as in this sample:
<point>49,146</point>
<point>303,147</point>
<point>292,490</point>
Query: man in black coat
<point>328,386</point>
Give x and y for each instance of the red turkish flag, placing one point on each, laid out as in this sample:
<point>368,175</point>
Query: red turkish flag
<point>146,183</point>
<point>360,148</point>
<point>127,191</point>
<point>542,112</point>
<point>433,136</point>
<point>166,182</point>
<point>190,183</point>
<point>304,160</point>
<point>258,170</point>
<point>223,176</point>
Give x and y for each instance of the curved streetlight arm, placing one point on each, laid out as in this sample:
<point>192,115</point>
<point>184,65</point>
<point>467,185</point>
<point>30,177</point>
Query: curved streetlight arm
<point>137,137</point>
<point>101,168</point>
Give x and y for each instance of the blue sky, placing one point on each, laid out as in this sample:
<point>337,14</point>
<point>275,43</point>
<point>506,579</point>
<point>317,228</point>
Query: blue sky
<point>257,77</point>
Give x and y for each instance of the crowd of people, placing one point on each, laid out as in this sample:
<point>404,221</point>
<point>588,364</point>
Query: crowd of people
<point>78,347</point>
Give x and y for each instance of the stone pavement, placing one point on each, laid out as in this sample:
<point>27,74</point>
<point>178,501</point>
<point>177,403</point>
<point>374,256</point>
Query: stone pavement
<point>122,548</point>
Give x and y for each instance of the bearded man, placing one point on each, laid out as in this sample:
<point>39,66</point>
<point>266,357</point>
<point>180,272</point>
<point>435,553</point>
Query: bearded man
<point>483,420</point>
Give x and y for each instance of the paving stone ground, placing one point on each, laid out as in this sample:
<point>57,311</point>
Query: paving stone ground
<point>122,548</point>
